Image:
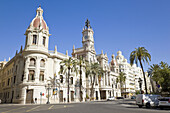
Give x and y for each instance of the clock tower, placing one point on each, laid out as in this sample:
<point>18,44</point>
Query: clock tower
<point>87,39</point>
<point>87,51</point>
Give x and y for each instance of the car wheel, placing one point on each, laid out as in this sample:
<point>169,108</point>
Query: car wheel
<point>140,106</point>
<point>148,105</point>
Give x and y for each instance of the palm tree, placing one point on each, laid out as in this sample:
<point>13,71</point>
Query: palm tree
<point>95,71</point>
<point>140,54</point>
<point>121,79</point>
<point>68,65</point>
<point>153,73</point>
<point>80,62</point>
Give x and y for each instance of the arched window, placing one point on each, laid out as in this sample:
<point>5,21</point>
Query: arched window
<point>41,78</point>
<point>34,39</point>
<point>31,75</point>
<point>71,80</point>
<point>44,38</point>
<point>32,62</point>
<point>42,63</point>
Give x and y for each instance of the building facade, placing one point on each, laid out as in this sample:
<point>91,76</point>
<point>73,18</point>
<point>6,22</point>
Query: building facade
<point>32,74</point>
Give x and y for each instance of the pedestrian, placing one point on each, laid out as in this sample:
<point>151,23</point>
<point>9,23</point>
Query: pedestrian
<point>64,100</point>
<point>35,100</point>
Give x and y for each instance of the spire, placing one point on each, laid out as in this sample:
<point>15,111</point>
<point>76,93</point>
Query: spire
<point>67,52</point>
<point>73,48</point>
<point>102,52</point>
<point>87,24</point>
<point>21,49</point>
<point>55,50</point>
<point>113,56</point>
<point>39,11</point>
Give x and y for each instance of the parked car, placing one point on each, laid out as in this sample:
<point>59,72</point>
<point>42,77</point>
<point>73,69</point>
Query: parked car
<point>111,98</point>
<point>147,100</point>
<point>153,101</point>
<point>164,102</point>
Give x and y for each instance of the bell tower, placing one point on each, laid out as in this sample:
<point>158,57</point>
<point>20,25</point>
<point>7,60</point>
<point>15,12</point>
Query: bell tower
<point>87,39</point>
<point>37,34</point>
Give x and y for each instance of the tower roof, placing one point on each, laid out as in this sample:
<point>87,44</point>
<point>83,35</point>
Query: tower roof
<point>87,24</point>
<point>38,22</point>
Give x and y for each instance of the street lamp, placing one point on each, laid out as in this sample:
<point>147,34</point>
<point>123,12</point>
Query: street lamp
<point>59,87</point>
<point>48,88</point>
<point>140,85</point>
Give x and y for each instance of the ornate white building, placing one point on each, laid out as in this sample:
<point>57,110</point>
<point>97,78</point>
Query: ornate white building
<point>31,71</point>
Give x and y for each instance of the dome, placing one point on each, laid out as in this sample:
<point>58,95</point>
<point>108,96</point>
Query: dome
<point>36,23</point>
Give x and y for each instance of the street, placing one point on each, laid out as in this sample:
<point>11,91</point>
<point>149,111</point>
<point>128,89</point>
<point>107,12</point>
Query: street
<point>118,106</point>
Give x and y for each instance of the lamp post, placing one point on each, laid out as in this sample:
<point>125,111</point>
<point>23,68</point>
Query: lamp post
<point>59,87</point>
<point>140,85</point>
<point>48,88</point>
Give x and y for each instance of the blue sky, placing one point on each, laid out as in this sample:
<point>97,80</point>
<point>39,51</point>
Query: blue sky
<point>118,25</point>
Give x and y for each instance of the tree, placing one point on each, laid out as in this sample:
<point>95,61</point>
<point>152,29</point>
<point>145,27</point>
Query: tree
<point>140,54</point>
<point>160,73</point>
<point>95,71</point>
<point>80,62</point>
<point>121,79</point>
<point>66,66</point>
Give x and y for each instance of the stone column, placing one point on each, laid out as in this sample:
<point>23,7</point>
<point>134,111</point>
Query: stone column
<point>26,72</point>
<point>37,69</point>
<point>23,95</point>
<point>104,79</point>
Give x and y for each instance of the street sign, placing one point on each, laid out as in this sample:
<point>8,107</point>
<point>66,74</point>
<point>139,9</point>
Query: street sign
<point>56,89</point>
<point>42,94</point>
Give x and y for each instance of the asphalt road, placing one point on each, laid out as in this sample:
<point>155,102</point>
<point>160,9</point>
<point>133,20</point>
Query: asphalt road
<point>88,107</point>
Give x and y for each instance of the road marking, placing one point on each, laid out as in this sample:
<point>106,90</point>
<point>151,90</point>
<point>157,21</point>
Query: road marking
<point>50,107</point>
<point>65,106</point>
<point>32,108</point>
<point>13,109</point>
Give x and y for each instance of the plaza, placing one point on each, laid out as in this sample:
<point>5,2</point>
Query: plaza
<point>29,74</point>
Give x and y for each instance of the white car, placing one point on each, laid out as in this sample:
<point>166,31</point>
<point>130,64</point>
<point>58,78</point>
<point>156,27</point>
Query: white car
<point>147,100</point>
<point>142,99</point>
<point>111,98</point>
<point>164,102</point>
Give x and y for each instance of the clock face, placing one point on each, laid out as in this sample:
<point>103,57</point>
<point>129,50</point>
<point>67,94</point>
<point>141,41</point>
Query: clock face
<point>86,37</point>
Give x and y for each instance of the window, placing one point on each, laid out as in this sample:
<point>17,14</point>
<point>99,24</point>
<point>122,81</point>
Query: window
<point>14,79</point>
<point>31,75</point>
<point>71,80</point>
<point>8,81</point>
<point>41,78</point>
<point>42,63</point>
<point>44,38</point>
<point>32,62</point>
<point>61,78</point>
<point>34,39</point>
